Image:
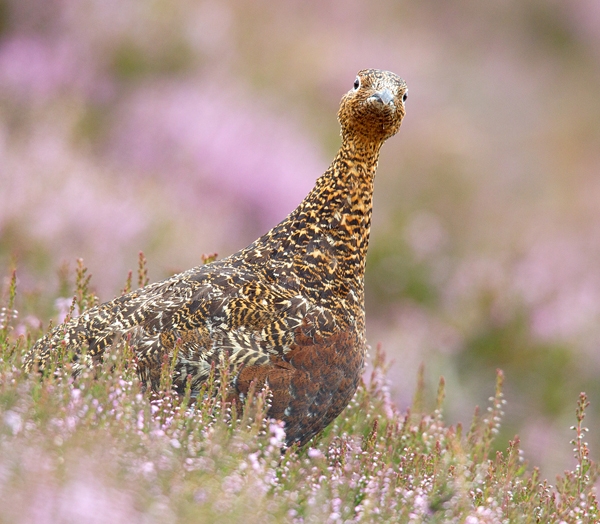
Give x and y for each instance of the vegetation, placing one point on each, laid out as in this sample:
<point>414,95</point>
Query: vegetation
<point>98,449</point>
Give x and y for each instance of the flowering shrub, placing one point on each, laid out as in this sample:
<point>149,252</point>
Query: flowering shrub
<point>97,449</point>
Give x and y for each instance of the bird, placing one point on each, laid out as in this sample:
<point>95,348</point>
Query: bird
<point>287,312</point>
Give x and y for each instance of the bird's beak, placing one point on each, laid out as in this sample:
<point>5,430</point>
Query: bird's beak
<point>384,96</point>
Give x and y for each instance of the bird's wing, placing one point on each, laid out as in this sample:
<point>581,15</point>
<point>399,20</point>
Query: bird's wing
<point>204,315</point>
<point>229,315</point>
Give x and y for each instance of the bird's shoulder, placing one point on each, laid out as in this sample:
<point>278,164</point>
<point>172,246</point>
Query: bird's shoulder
<point>220,299</point>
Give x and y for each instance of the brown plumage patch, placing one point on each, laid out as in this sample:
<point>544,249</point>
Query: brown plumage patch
<point>310,386</point>
<point>287,311</point>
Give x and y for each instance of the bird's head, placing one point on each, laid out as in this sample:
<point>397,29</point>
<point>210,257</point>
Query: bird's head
<point>373,109</point>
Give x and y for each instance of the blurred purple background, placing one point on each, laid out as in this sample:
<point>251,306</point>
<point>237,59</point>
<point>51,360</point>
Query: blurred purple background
<point>188,127</point>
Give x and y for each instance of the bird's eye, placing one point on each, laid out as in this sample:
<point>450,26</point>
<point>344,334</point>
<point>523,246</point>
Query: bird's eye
<point>405,96</point>
<point>356,83</point>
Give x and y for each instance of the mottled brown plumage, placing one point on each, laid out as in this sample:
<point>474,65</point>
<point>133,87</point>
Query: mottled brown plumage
<point>288,310</point>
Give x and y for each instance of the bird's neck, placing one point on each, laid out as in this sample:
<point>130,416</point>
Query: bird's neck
<point>327,235</point>
<point>340,204</point>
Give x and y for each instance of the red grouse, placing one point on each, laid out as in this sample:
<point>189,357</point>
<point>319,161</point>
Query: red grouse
<point>287,311</point>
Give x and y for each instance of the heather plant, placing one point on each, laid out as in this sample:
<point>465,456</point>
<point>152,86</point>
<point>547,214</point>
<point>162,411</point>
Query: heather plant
<point>99,449</point>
